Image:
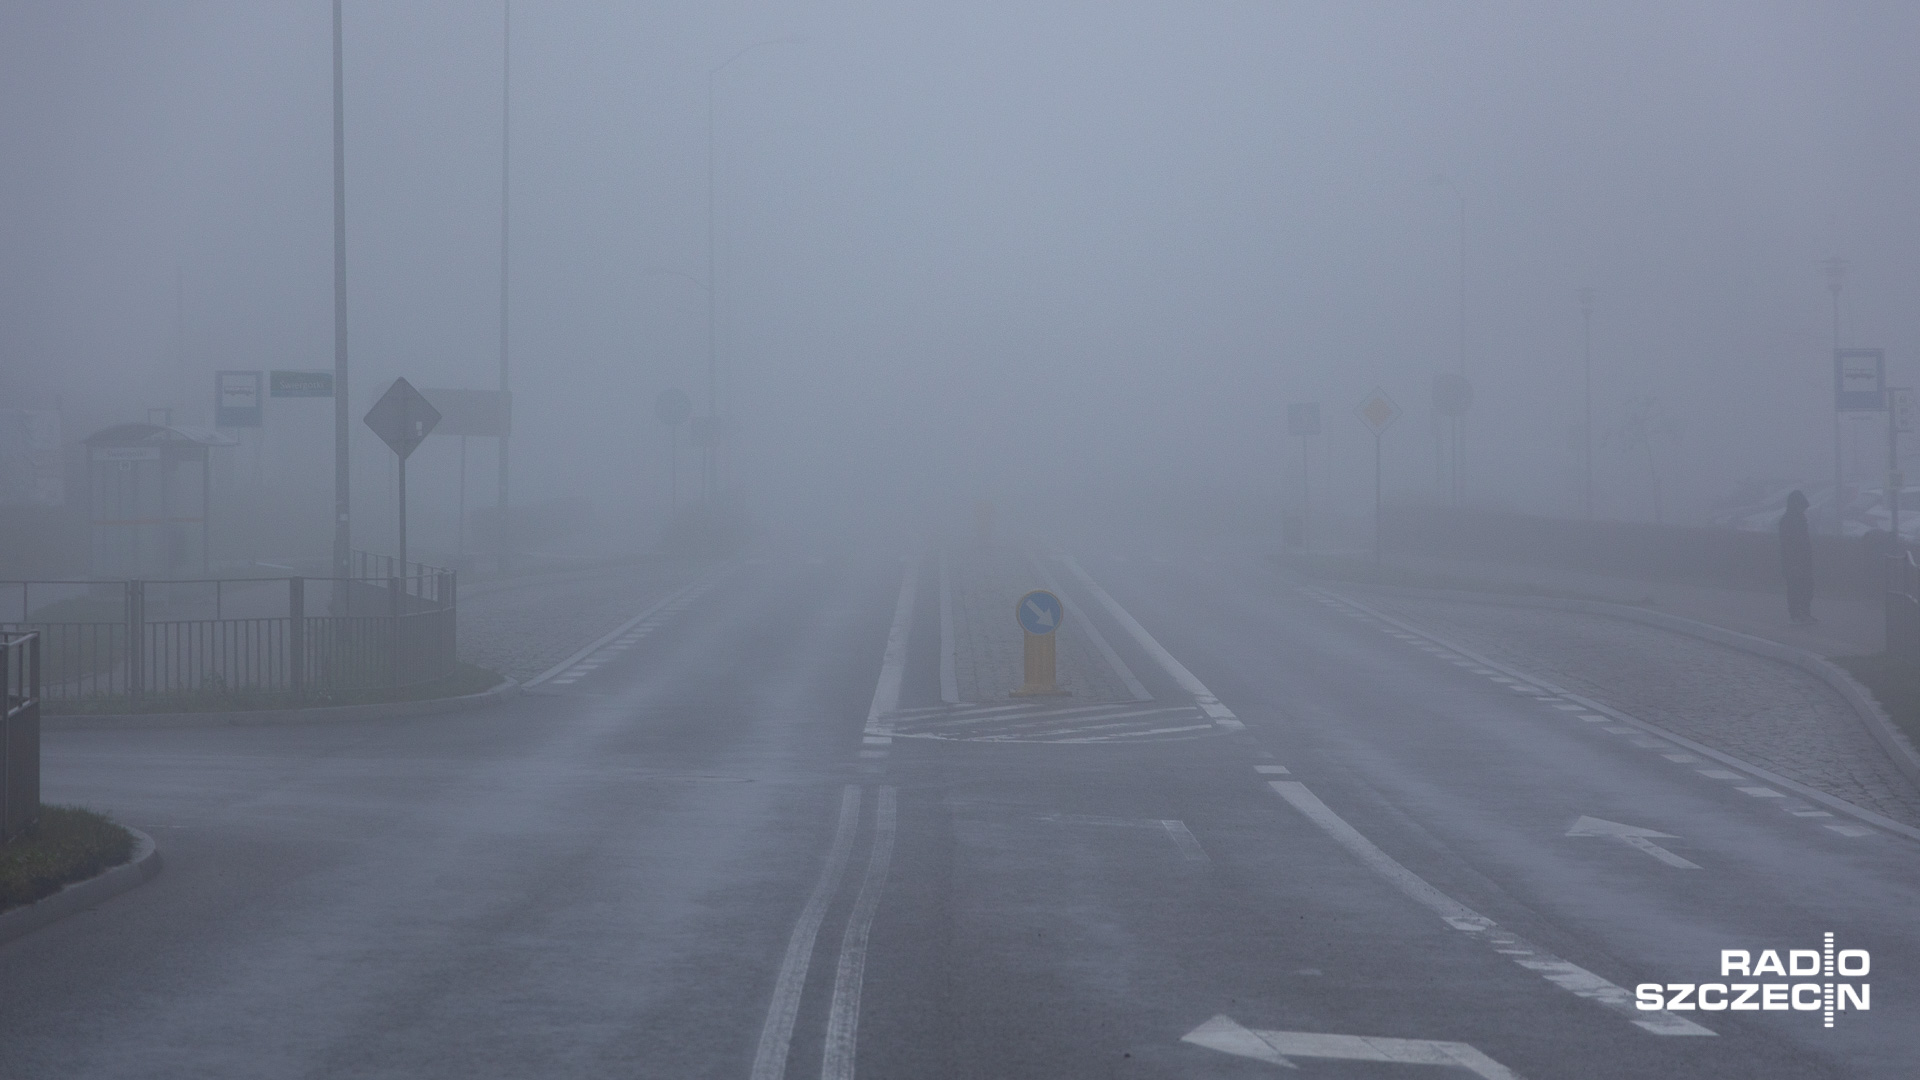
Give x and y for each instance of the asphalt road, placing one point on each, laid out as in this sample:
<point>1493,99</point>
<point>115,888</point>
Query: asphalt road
<point>747,839</point>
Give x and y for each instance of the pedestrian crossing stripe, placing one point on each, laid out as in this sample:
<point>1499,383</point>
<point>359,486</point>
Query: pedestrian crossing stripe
<point>1114,722</point>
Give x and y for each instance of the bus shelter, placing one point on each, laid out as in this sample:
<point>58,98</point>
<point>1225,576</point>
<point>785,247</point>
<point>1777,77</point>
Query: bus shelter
<point>148,487</point>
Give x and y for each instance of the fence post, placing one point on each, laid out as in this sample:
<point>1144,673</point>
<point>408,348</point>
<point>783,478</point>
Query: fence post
<point>6,731</point>
<point>136,638</point>
<point>297,632</point>
<point>29,720</point>
<point>393,603</point>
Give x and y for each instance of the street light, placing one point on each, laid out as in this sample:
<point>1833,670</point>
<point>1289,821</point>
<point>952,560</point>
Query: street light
<point>712,283</point>
<point>1586,427</point>
<point>342,529</point>
<point>506,99</point>
<point>1459,422</point>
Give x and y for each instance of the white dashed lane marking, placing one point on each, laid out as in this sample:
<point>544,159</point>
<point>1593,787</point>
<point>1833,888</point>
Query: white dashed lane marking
<point>587,660</point>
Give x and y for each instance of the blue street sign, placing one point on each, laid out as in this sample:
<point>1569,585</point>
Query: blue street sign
<point>1039,612</point>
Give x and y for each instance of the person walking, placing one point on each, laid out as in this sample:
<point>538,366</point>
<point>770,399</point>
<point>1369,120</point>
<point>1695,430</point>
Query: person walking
<point>1796,560</point>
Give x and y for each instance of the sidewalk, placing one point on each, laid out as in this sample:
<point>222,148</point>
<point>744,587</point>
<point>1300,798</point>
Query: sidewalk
<point>1780,717</point>
<point>1847,627</point>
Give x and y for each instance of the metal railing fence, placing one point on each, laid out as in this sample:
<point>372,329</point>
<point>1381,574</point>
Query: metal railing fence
<point>294,634</point>
<point>19,732</point>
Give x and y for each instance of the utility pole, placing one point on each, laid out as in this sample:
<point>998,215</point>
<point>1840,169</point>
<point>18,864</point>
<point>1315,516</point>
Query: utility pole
<point>1459,422</point>
<point>342,527</point>
<point>1586,425</point>
<point>710,452</point>
<point>1836,277</point>
<point>506,74</point>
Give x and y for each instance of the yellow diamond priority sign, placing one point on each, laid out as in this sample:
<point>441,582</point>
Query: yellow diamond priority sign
<point>1378,411</point>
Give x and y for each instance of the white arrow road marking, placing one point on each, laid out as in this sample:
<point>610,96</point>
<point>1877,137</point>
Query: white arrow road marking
<point>1568,976</point>
<point>1274,1047</point>
<point>1041,615</point>
<point>1633,836</point>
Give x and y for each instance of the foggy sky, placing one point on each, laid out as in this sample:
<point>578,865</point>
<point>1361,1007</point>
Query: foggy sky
<point>980,249</point>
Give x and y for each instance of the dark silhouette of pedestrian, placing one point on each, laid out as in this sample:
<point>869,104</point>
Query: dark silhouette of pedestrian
<point>1796,559</point>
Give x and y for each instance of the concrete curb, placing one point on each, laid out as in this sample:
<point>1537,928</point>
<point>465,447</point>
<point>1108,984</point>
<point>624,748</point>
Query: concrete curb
<point>1891,739</point>
<point>322,714</point>
<point>82,895</point>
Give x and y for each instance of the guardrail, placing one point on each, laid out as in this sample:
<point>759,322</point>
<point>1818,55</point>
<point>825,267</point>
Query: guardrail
<point>19,732</point>
<point>308,635</point>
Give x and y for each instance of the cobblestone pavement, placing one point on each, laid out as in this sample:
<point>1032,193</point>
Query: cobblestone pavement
<point>1757,709</point>
<point>988,645</point>
<point>522,628</point>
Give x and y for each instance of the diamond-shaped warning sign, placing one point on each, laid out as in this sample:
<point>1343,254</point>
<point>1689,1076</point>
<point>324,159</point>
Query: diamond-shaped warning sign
<point>402,417</point>
<point>1378,411</point>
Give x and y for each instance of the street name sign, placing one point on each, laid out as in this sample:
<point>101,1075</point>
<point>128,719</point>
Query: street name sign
<point>1039,612</point>
<point>1859,380</point>
<point>1303,418</point>
<point>402,417</point>
<point>1378,411</point>
<point>318,384</point>
<point>236,399</point>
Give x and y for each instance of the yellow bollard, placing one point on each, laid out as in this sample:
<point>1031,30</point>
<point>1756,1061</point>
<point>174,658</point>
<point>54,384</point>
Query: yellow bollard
<point>1039,614</point>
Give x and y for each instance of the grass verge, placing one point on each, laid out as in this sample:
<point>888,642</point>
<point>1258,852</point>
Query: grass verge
<point>66,845</point>
<point>1894,683</point>
<point>466,679</point>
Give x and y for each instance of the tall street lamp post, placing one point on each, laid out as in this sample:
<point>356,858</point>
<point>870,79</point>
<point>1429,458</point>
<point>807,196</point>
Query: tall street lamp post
<point>709,476</point>
<point>342,530</point>
<point>1586,424</point>
<point>1459,422</point>
<point>506,84</point>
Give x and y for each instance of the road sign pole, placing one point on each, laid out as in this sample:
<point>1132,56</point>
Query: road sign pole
<point>673,472</point>
<point>460,528</point>
<point>1894,479</point>
<point>1306,495</point>
<point>403,517</point>
<point>1376,499</point>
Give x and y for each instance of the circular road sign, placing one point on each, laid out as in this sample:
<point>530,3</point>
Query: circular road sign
<point>1039,612</point>
<point>673,406</point>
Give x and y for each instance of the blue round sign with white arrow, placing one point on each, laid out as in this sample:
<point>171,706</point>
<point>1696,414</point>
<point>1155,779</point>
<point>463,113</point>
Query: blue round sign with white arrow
<point>1039,612</point>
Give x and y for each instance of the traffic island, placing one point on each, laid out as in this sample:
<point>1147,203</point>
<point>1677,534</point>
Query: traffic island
<point>982,588</point>
<point>68,860</point>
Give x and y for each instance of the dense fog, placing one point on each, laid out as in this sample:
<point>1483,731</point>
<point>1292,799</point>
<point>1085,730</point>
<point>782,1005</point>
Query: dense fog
<point>986,251</point>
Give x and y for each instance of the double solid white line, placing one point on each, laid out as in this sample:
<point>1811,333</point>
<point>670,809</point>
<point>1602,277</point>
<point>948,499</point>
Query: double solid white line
<point>843,1014</point>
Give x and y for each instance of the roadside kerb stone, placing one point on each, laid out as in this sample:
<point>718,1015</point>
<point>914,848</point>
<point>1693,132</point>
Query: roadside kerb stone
<point>317,714</point>
<point>81,895</point>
